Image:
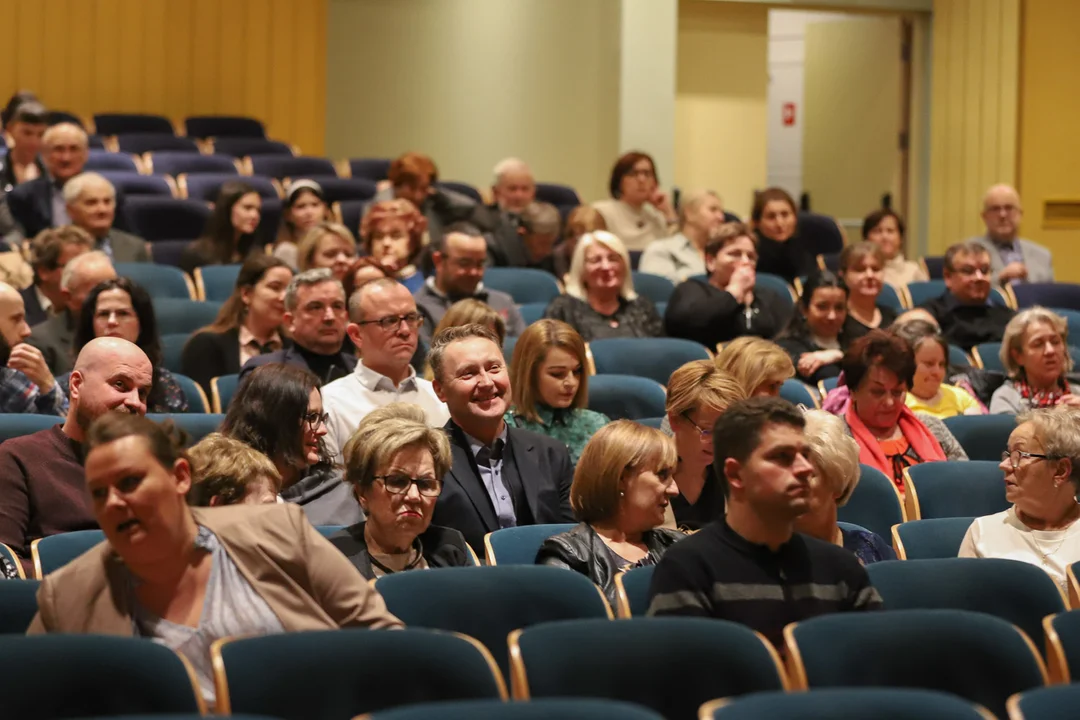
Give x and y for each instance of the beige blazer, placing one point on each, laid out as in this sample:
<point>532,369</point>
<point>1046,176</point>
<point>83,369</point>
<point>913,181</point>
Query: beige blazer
<point>304,579</point>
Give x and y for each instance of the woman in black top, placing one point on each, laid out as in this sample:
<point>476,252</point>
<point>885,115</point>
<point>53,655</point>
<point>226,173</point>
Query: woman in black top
<point>819,332</point>
<point>230,232</point>
<point>781,251</point>
<point>862,268</point>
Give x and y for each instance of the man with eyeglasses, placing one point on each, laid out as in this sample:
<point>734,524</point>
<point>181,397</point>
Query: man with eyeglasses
<point>459,272</point>
<point>965,313</point>
<point>1012,258</point>
<point>384,326</point>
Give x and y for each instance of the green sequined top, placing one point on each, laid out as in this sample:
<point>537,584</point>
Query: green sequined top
<point>573,427</point>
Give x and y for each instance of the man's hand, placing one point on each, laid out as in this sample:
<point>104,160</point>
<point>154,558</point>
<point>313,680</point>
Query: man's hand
<point>28,360</point>
<point>1013,271</point>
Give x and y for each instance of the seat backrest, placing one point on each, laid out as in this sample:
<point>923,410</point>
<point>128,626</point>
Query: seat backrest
<point>283,166</point>
<point>958,358</point>
<point>935,266</point>
<point>245,146</point>
<point>902,704</point>
<point>557,194</point>
<point>139,143</point>
<point>654,358</point>
<point>121,123</point>
<point>1063,645</point>
<point>921,291</point>
<point>461,189</point>
<point>1055,295</point>
<point>157,218</point>
<point>172,350</point>
<point>204,126</point>
<point>18,605</point>
<point>195,425</point>
<point>58,116</point>
<point>216,282</point>
<point>55,551</point>
<point>205,187</point>
<point>178,163</point>
<point>196,396</point>
<point>820,233</point>
<point>525,285</point>
<point>337,189</point>
<point>656,288</point>
<point>99,160</point>
<point>177,316</point>
<point>13,425</point>
<point>930,539</point>
<point>161,281</point>
<point>222,389</point>
<point>531,312</point>
<point>130,184</point>
<point>890,298</point>
<point>987,355</point>
<point>545,709</point>
<point>1057,702</point>
<point>519,545</point>
<point>779,287</point>
<point>875,503</point>
<point>983,437</point>
<point>374,169</point>
<point>626,396</point>
<point>1072,322</point>
<point>798,393</point>
<point>633,591</point>
<point>954,489</point>
<point>350,212</point>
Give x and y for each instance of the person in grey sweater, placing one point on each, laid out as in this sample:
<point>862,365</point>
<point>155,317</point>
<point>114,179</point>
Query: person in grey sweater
<point>1034,351</point>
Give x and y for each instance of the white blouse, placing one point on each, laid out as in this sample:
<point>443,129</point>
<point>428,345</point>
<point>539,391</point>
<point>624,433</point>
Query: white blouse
<point>1004,536</point>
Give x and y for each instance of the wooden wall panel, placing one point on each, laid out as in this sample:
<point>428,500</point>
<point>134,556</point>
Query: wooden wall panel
<point>262,58</point>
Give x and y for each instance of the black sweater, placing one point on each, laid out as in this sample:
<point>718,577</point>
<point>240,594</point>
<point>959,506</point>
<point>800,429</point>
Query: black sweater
<point>698,311</point>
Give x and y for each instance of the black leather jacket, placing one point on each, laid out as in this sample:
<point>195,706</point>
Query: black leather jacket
<point>583,551</point>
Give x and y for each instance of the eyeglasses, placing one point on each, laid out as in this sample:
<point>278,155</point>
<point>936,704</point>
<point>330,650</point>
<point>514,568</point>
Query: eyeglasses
<point>399,484</point>
<point>972,271</point>
<point>1014,457</point>
<point>315,420</point>
<point>705,434</point>
<point>391,322</point>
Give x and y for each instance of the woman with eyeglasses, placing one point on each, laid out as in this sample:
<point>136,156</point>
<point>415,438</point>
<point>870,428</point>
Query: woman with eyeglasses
<point>278,410</point>
<point>395,463</point>
<point>1042,478</point>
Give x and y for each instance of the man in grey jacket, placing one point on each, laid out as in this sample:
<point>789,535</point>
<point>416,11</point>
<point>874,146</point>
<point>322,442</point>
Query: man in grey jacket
<point>1012,258</point>
<point>91,205</point>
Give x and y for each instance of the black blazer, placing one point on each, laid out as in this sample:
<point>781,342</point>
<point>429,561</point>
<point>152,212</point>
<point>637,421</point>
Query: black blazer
<point>290,356</point>
<point>209,354</point>
<point>55,338</point>
<point>35,314</point>
<point>31,207</point>
<point>543,466</point>
<point>442,547</point>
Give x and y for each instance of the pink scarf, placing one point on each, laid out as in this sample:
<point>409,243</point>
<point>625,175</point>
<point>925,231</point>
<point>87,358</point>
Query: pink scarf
<point>922,441</point>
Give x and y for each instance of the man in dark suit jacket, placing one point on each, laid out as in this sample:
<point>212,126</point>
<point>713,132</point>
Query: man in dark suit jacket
<point>91,204</point>
<point>500,476</point>
<point>50,252</point>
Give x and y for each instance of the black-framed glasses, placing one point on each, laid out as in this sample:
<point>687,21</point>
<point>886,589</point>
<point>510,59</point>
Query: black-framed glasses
<point>705,434</point>
<point>314,419</point>
<point>1013,456</point>
<point>391,322</point>
<point>398,484</point>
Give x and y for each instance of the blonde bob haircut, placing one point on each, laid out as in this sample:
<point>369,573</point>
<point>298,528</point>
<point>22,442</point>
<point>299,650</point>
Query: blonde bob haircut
<point>529,353</point>
<point>698,384</point>
<point>617,450</point>
<point>470,311</point>
<point>833,453</point>
<point>575,279</point>
<point>224,467</point>
<point>382,434</point>
<point>1059,430</point>
<point>305,249</point>
<point>1013,339</point>
<point>754,361</point>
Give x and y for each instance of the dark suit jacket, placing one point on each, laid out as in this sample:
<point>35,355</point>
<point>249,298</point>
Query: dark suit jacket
<point>541,463</point>
<point>209,354</point>
<point>55,338</point>
<point>505,246</point>
<point>442,547</point>
<point>31,207</point>
<point>290,356</point>
<point>127,248</point>
<point>35,314</point>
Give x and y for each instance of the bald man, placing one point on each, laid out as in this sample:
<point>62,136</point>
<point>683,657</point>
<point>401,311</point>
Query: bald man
<point>683,254</point>
<point>1012,258</point>
<point>26,385</point>
<point>42,488</point>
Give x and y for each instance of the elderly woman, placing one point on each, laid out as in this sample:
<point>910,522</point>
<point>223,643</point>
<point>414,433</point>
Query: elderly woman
<point>600,301</point>
<point>638,211</point>
<point>818,334</point>
<point>305,207</point>
<point>1035,353</point>
<point>929,393</point>
<point>780,249</point>
<point>726,305</point>
<point>879,368</point>
<point>551,388</point>
<point>885,229</point>
<point>862,270</point>
<point>392,232</point>
<point>621,490</point>
<point>1042,479</point>
<point>228,472</point>
<point>835,457</point>
<point>395,463</point>
<point>186,577</point>
<point>759,366</point>
<point>327,245</point>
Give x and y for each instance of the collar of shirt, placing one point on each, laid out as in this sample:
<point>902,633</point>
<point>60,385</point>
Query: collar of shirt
<point>953,303</point>
<point>375,381</point>
<point>475,445</point>
<point>480,293</point>
<point>43,301</point>
<point>247,339</point>
<point>752,549</point>
<point>1012,245</point>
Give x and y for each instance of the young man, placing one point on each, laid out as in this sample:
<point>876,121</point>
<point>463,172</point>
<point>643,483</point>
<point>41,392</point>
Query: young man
<point>751,567</point>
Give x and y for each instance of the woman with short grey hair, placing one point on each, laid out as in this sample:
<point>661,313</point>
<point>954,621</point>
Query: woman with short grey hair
<point>1035,353</point>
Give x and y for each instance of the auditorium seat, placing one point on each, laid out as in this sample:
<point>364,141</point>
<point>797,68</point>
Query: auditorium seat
<point>63,116</point>
<point>123,123</point>
<point>557,194</point>
<point>461,189</point>
<point>18,604</point>
<point>934,266</point>
<point>545,709</point>
<point>195,425</point>
<point>797,392</point>
<point>374,169</point>
<point>139,143</point>
<point>1062,633</point>
<point>819,233</point>
<point>219,126</point>
<point>99,160</point>
<point>930,539</point>
<point>891,703</point>
<point>920,292</point>
<point>525,285</point>
<point>204,187</point>
<point>282,166</point>
<point>1058,702</point>
<point>160,281</point>
<point>655,287</point>
<point>13,425</point>
<point>222,389</point>
<point>531,312</point>
<point>244,146</point>
<point>875,504</point>
<point>779,287</point>
<point>654,358</point>
<point>216,282</point>
<point>196,396</point>
<point>954,489</point>
<point>55,551</point>
<point>157,218</point>
<point>626,396</point>
<point>1052,295</point>
<point>176,164</point>
<point>130,184</point>
<point>632,591</point>
<point>349,213</point>
<point>172,348</point>
<point>986,356</point>
<point>519,545</point>
<point>983,437</point>
<point>337,189</point>
<point>178,315</point>
<point>167,252</point>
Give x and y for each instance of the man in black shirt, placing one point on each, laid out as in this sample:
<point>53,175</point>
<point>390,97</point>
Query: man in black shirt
<point>965,313</point>
<point>751,567</point>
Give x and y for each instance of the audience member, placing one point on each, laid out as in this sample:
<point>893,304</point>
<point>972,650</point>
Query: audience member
<point>121,308</point>
<point>384,326</point>
<point>781,251</point>
<point>186,577</point>
<point>750,566</point>
<point>395,464</point>
<point>1042,479</point>
<point>514,190</point>
<point>929,393</point>
<point>621,490</point>
<point>315,317</point>
<point>229,236</point>
<point>1012,258</point>
<point>393,234</point>
<point>278,410</point>
<point>878,369</point>
<point>581,220</point>
<point>1036,357</point>
<point>862,268</point>
<point>638,212</point>
<point>470,311</point>
<point>965,313</point>
<point>552,387</point>
<point>248,324</point>
<point>26,385</point>
<point>304,207</point>
<point>362,271</point>
<point>459,273</point>
<point>91,205</point>
<point>727,304</point>
<point>500,476</point>
<point>539,227</point>
<point>819,332</point>
<point>42,490</point>
<point>758,365</point>
<point>25,127</point>
<point>600,301</point>
<point>413,178</point>
<point>885,229</point>
<point>56,336</point>
<point>49,253</point>
<point>682,255</point>
<point>698,394</point>
<point>228,472</point>
<point>327,245</point>
<point>834,456</point>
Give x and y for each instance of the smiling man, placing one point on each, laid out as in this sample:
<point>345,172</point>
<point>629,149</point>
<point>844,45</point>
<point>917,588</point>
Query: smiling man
<point>751,567</point>
<point>91,204</point>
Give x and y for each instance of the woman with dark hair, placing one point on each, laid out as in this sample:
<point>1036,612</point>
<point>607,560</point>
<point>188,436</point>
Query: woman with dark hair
<point>780,249</point>
<point>25,126</point>
<point>818,333</point>
<point>638,211</point>
<point>278,410</point>
<point>885,229</point>
<point>248,324</point>
<point>229,236</point>
<point>122,308</point>
<point>305,207</point>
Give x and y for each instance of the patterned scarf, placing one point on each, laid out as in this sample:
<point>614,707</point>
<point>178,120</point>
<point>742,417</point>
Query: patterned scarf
<point>1041,398</point>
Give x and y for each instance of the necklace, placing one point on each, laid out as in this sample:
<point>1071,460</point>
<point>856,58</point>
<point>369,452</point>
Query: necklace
<point>1044,554</point>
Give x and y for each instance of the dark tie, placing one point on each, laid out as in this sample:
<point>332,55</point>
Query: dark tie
<point>485,455</point>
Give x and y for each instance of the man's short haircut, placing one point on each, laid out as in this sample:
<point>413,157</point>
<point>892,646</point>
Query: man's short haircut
<point>356,311</point>
<point>540,218</point>
<point>76,186</point>
<point>308,278</point>
<point>508,165</point>
<point>53,130</point>
<point>969,247</point>
<point>224,467</point>
<point>48,245</point>
<point>91,258</point>
<point>451,335</point>
<point>458,228</point>
<point>737,433</point>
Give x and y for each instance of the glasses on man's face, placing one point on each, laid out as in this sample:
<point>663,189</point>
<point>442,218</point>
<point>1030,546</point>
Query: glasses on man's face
<point>972,270</point>
<point>398,484</point>
<point>316,420</point>
<point>391,322</point>
<point>702,432</point>
<point>1014,456</point>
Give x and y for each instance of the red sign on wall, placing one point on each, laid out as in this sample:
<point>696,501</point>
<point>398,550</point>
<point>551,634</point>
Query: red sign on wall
<point>788,114</point>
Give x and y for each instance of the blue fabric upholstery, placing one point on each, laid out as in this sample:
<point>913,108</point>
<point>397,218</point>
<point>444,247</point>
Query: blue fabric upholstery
<point>178,163</point>
<point>159,218</point>
<point>217,281</point>
<point>958,489</point>
<point>983,437</point>
<point>286,166</point>
<point>626,396</point>
<point>656,288</point>
<point>934,538</point>
<point>874,504</point>
<point>525,285</point>
<point>18,605</point>
<point>519,545</point>
<point>877,703</point>
<point>204,126</point>
<point>654,358</point>
<point>161,281</point>
<point>124,123</point>
<point>177,316</point>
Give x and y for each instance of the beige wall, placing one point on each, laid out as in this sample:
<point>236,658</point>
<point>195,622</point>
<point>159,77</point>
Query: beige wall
<point>472,81</point>
<point>720,104</point>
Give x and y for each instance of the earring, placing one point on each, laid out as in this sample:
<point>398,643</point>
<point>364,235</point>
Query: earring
<point>622,494</point>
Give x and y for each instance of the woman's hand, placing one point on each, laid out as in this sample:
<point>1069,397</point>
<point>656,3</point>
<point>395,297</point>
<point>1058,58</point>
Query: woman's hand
<point>1070,400</point>
<point>741,284</point>
<point>809,363</point>
<point>661,202</point>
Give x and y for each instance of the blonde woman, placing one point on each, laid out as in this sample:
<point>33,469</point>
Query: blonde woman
<point>1035,353</point>
<point>225,471</point>
<point>327,245</point>
<point>759,366</point>
<point>551,387</point>
<point>600,301</point>
<point>835,457</point>
<point>621,489</point>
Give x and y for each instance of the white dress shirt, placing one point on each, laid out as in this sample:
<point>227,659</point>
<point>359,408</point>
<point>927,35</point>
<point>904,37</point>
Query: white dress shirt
<point>349,399</point>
